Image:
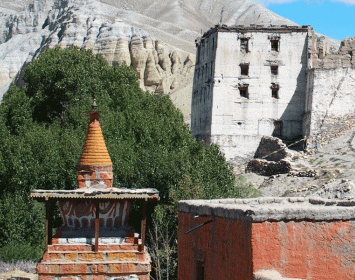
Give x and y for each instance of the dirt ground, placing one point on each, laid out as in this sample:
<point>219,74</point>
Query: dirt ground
<point>10,274</point>
<point>334,163</point>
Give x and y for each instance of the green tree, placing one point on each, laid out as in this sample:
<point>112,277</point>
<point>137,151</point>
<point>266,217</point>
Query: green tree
<point>43,127</point>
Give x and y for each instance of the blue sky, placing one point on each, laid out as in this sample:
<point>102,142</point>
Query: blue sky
<point>335,19</point>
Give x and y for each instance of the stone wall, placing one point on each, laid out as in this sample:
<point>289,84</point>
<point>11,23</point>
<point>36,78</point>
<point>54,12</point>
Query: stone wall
<point>236,120</point>
<point>202,92</point>
<point>268,168</point>
<point>344,57</point>
<point>330,103</point>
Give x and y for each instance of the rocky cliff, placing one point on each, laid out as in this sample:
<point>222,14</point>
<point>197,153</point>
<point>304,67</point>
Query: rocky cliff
<point>90,25</point>
<point>155,37</point>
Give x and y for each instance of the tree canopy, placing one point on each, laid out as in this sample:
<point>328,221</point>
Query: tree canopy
<point>43,128</point>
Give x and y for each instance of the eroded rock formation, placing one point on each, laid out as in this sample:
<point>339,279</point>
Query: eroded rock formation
<point>86,24</point>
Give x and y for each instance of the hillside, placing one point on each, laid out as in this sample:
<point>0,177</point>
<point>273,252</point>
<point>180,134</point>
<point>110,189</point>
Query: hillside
<point>156,37</point>
<point>333,164</point>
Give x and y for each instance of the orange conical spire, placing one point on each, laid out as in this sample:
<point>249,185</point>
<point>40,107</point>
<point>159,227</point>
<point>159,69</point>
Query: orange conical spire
<point>95,165</point>
<point>95,151</point>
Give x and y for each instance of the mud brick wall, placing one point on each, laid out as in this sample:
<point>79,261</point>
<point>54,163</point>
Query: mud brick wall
<point>296,238</point>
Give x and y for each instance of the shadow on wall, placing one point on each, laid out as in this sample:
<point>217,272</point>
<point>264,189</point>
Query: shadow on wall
<point>289,126</point>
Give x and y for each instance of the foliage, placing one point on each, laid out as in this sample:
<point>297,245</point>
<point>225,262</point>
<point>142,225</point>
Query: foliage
<point>21,252</point>
<point>43,130</point>
<point>21,225</point>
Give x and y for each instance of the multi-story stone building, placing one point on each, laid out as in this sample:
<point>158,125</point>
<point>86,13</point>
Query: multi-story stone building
<point>252,81</point>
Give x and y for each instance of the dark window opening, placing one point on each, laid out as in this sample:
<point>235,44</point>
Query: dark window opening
<point>277,129</point>
<point>275,90</point>
<point>320,54</point>
<point>244,45</point>
<point>244,92</point>
<point>275,45</point>
<point>274,70</point>
<point>275,93</point>
<point>198,54</point>
<point>200,270</point>
<point>244,70</point>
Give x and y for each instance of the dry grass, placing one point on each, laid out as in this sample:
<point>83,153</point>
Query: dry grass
<point>24,266</point>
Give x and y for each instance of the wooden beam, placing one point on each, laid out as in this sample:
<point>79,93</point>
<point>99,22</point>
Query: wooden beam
<point>49,224</point>
<point>97,226</point>
<point>143,225</point>
<point>50,221</point>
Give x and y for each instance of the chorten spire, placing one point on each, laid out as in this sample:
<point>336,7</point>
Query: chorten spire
<point>95,165</point>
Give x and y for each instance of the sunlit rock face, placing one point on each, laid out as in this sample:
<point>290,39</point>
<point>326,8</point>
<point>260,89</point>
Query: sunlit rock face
<point>89,25</point>
<point>157,38</point>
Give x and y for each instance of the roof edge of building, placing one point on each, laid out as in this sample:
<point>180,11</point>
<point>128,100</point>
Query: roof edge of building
<point>254,28</point>
<point>272,209</point>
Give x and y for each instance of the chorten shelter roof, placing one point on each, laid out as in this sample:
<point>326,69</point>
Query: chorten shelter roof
<point>91,193</point>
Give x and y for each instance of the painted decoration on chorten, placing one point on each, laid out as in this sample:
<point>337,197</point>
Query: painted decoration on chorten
<point>81,215</point>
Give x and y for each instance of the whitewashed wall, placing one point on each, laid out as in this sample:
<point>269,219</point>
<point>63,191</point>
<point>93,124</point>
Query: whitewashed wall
<point>236,123</point>
<point>330,102</point>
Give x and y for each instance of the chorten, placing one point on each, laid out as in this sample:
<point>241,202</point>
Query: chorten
<point>95,240</point>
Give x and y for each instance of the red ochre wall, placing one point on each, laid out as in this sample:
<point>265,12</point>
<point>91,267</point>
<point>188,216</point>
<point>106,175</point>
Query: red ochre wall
<point>305,250</point>
<point>224,246</point>
<point>235,249</point>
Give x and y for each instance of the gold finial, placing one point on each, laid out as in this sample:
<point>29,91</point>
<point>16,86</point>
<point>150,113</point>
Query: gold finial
<point>94,105</point>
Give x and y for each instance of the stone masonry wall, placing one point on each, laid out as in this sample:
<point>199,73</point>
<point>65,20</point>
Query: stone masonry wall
<point>268,168</point>
<point>330,58</point>
<point>236,121</point>
<point>330,103</point>
<point>202,92</point>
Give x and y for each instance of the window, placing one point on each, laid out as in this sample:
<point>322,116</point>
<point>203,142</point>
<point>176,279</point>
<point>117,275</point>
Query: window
<point>198,54</point>
<point>275,44</point>
<point>277,129</point>
<point>275,91</point>
<point>200,270</point>
<point>274,70</point>
<point>244,70</point>
<point>243,90</point>
<point>244,45</point>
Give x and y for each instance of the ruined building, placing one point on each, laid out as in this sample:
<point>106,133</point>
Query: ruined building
<point>284,81</point>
